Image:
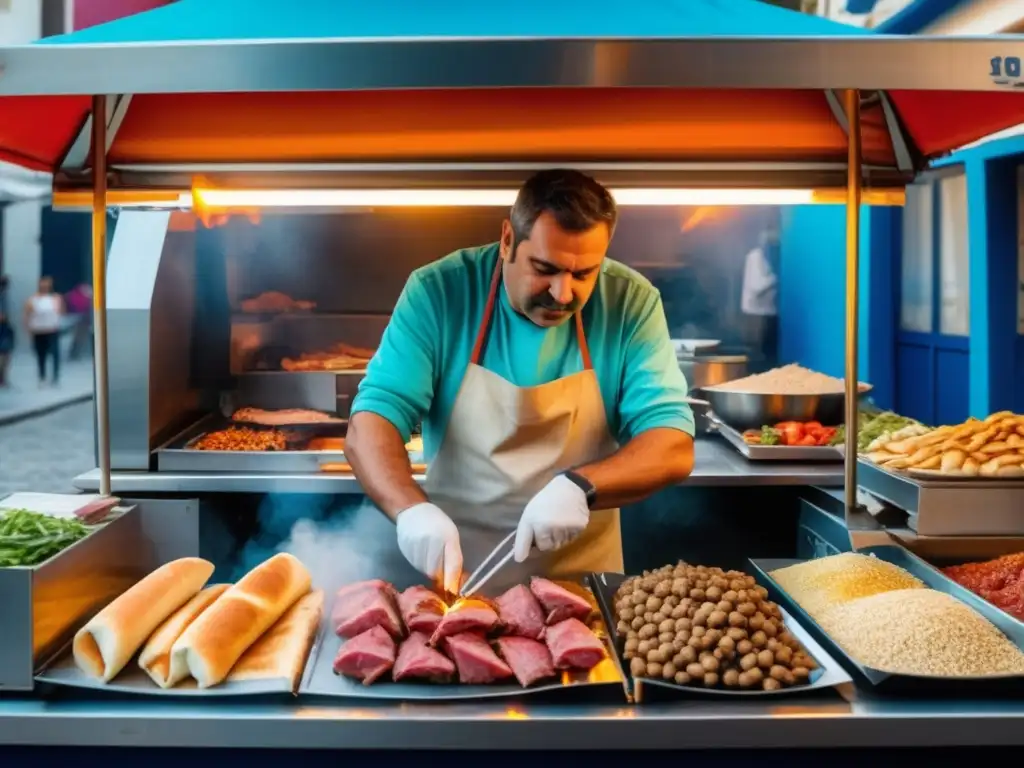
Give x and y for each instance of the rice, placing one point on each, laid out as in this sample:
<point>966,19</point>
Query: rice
<point>788,380</point>
<point>921,632</point>
<point>818,585</point>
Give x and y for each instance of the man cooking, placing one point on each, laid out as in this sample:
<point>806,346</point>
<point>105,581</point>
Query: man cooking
<point>547,387</point>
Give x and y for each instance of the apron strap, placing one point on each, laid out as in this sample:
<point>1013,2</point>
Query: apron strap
<point>485,325</point>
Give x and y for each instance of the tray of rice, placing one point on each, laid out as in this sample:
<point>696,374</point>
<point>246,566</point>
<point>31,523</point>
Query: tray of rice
<point>897,625</point>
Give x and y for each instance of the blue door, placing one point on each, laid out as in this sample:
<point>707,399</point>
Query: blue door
<point>934,308</point>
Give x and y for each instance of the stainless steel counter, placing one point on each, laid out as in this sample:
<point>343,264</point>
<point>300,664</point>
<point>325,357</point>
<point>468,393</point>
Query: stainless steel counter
<point>717,464</point>
<point>828,722</point>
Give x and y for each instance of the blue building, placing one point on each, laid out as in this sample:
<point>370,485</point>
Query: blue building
<point>942,280</point>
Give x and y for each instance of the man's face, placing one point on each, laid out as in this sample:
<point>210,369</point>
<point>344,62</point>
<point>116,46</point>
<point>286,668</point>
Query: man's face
<point>554,271</point>
<point>45,285</point>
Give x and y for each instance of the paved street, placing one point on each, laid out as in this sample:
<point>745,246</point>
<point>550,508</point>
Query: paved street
<point>44,453</point>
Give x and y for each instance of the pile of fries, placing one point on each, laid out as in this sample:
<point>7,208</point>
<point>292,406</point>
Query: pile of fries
<point>993,447</point>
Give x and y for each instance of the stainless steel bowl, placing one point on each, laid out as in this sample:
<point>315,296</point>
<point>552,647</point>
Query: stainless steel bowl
<point>747,410</point>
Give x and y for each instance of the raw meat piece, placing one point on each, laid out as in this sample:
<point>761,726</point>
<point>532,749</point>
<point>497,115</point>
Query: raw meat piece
<point>365,604</point>
<point>367,656</point>
<point>573,645</point>
<point>465,616</point>
<point>530,660</point>
<point>476,660</point>
<point>422,610</point>
<point>418,661</point>
<point>520,613</point>
<point>558,602</point>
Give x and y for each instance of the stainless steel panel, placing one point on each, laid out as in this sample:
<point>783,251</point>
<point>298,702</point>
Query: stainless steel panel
<point>50,601</point>
<point>132,269</point>
<point>861,721</point>
<point>949,508</point>
<point>866,62</point>
<point>819,533</point>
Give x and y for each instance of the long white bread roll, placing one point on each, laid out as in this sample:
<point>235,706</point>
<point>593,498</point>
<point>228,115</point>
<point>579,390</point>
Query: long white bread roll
<point>281,653</point>
<point>155,658</point>
<point>217,639</point>
<point>103,646</point>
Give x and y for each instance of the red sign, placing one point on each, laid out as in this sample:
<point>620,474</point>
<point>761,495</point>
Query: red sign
<point>89,13</point>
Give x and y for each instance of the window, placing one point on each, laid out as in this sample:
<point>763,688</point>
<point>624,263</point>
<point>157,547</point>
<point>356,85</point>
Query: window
<point>954,278</point>
<point>916,291</point>
<point>935,278</point>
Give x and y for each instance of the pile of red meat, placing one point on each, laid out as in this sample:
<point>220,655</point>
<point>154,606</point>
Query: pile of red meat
<point>528,633</point>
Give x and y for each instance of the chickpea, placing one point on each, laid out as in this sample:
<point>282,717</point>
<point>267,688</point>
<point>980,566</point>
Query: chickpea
<point>770,684</point>
<point>682,678</point>
<point>644,647</point>
<point>748,662</point>
<point>727,644</point>
<point>695,642</point>
<point>765,659</point>
<point>648,617</point>
<point>748,609</point>
<point>731,593</point>
<point>710,679</point>
<point>658,617</point>
<point>679,612</point>
<point>632,634</point>
<point>744,680</point>
<point>639,597</point>
<point>717,618</point>
<point>637,623</point>
<point>666,637</point>
<point>756,675</point>
<point>709,662</point>
<point>627,614</point>
<point>714,593</point>
<point>663,590</point>
<point>759,639</point>
<point>637,667</point>
<point>647,631</point>
<point>622,628</point>
<point>713,636</point>
<point>679,643</point>
<point>698,631</point>
<point>656,657</point>
<point>683,625</point>
<point>695,670</point>
<point>719,654</point>
<point>737,619</point>
<point>653,670</point>
<point>653,603</point>
<point>680,587</point>
<point>668,671</point>
<point>741,595</point>
<point>687,655</point>
<point>773,645</point>
<point>744,646</point>
<point>725,606</point>
<point>801,674</point>
<point>771,628</point>
<point>755,622</point>
<point>731,677</point>
<point>632,645</point>
<point>697,594</point>
<point>667,625</point>
<point>736,633</point>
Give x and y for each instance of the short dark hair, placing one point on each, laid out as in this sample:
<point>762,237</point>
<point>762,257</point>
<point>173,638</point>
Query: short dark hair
<point>577,201</point>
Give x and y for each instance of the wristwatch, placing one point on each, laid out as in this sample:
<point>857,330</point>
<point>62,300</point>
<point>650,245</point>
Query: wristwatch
<point>583,484</point>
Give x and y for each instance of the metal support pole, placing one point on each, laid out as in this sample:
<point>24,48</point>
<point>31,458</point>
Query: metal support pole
<point>851,104</point>
<point>99,285</point>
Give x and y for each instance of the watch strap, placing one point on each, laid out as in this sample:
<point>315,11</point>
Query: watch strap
<point>588,488</point>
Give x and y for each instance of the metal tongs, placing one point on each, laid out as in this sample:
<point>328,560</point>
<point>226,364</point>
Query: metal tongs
<point>476,582</point>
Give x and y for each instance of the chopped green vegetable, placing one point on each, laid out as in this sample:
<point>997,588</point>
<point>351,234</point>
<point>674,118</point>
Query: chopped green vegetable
<point>770,435</point>
<point>879,424</point>
<point>839,437</point>
<point>29,538</point>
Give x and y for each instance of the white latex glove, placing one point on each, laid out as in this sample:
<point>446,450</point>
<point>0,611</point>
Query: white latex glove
<point>430,542</point>
<point>553,518</point>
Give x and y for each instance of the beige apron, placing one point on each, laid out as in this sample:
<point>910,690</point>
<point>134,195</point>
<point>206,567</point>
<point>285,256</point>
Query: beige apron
<point>504,443</point>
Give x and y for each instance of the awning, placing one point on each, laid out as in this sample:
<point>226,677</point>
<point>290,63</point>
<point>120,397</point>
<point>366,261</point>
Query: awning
<point>254,82</point>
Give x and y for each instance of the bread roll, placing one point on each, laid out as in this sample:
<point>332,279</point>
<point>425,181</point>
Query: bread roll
<point>103,646</point>
<point>217,639</point>
<point>155,658</point>
<point>281,653</point>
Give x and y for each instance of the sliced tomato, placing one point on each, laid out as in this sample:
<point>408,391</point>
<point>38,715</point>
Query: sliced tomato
<point>792,432</point>
<point>807,440</point>
<point>808,425</point>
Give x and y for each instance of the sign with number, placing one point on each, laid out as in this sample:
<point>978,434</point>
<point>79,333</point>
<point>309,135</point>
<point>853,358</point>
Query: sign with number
<point>1006,70</point>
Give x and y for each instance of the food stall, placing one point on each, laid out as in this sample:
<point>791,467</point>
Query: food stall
<point>401,107</point>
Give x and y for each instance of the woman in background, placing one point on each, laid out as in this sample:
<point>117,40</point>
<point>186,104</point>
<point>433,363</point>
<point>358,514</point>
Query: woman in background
<point>79,306</point>
<point>43,313</point>
<point>759,300</point>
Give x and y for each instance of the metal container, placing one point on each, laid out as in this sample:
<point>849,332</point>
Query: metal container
<point>750,410</point>
<point>774,452</point>
<point>955,507</point>
<point>886,682</point>
<point>707,371</point>
<point>44,605</point>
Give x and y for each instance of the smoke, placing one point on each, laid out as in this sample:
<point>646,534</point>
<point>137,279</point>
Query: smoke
<point>338,540</point>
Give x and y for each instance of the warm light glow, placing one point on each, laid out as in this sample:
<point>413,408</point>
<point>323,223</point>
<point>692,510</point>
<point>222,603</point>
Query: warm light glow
<point>483,198</point>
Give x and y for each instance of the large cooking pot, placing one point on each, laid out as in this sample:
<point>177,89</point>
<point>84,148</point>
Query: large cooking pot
<point>707,371</point>
<point>748,410</point>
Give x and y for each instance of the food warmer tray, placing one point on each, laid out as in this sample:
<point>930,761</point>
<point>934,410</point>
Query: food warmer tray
<point>828,675</point>
<point>602,683</point>
<point>774,452</point>
<point>953,507</point>
<point>886,682</point>
<point>62,672</point>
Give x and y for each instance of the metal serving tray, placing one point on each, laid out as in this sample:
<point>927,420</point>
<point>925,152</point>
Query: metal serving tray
<point>774,452</point>
<point>602,683</point>
<point>62,672</point>
<point>829,673</point>
<point>887,682</point>
<point>42,606</point>
<point>949,507</point>
<point>176,456</point>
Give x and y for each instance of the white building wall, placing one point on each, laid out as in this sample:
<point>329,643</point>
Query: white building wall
<point>20,23</point>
